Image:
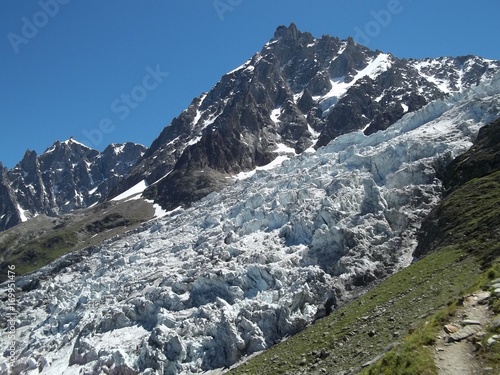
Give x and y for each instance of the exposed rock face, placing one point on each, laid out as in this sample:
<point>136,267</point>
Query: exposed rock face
<point>296,94</point>
<point>443,224</point>
<point>67,176</point>
<point>8,206</point>
<point>482,159</point>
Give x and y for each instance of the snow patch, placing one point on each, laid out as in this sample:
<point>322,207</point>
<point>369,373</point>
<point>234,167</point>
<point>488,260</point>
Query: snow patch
<point>159,211</point>
<point>194,141</point>
<point>275,163</point>
<point>74,141</point>
<point>275,115</point>
<point>118,149</point>
<point>376,66</point>
<point>22,213</point>
<point>198,112</point>
<point>173,141</point>
<point>284,149</point>
<point>246,65</point>
<point>134,190</point>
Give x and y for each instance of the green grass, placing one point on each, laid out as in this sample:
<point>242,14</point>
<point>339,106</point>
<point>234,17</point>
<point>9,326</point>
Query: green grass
<point>42,251</point>
<point>415,356</point>
<point>40,241</point>
<point>470,217</point>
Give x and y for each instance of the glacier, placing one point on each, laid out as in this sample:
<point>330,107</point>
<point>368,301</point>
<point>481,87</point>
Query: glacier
<point>203,287</point>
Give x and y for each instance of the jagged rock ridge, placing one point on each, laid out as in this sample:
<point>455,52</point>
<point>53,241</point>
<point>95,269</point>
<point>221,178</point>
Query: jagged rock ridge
<point>67,176</point>
<point>296,94</point>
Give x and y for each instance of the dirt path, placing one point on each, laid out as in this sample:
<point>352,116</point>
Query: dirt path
<point>455,347</point>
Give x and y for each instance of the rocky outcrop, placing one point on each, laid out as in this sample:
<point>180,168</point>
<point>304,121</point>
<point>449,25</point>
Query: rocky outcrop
<point>473,180</point>
<point>9,213</point>
<point>482,159</point>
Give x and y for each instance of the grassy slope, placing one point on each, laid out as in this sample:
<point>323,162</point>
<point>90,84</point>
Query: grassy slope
<point>406,311</point>
<point>473,230</point>
<point>36,243</point>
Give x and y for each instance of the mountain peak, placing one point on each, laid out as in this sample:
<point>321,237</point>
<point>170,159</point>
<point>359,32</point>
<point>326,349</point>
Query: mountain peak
<point>28,161</point>
<point>287,32</point>
<point>350,41</point>
<point>30,154</point>
<point>73,141</point>
<point>69,144</point>
<point>127,147</point>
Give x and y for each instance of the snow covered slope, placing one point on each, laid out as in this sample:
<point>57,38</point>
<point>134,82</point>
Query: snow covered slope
<point>245,267</point>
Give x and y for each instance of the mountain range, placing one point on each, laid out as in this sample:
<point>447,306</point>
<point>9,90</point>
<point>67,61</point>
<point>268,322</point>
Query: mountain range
<point>67,176</point>
<point>295,184</point>
<point>295,95</point>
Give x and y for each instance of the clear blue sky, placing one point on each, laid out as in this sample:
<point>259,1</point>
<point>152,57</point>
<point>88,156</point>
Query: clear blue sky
<point>63,70</point>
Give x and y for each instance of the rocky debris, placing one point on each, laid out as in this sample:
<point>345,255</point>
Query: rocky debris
<point>493,339</point>
<point>494,324</point>
<point>495,287</point>
<point>470,322</point>
<point>467,328</point>
<point>464,333</point>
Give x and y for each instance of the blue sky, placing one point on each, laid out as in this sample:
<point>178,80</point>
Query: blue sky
<point>109,71</point>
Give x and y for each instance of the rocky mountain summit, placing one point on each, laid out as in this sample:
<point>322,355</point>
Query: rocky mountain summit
<point>297,94</point>
<point>67,176</point>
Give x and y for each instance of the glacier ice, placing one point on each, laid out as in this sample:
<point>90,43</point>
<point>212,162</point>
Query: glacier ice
<point>243,268</point>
